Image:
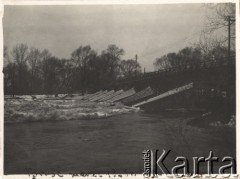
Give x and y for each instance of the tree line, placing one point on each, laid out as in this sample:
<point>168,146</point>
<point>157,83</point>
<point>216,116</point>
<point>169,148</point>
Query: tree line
<point>32,71</point>
<point>194,58</point>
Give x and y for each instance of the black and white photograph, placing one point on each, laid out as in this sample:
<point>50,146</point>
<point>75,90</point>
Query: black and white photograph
<point>120,89</point>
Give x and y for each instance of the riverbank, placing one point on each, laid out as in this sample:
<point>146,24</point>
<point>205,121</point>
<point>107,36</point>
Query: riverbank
<point>214,120</point>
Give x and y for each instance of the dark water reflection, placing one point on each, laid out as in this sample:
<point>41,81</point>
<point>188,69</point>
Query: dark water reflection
<point>108,145</point>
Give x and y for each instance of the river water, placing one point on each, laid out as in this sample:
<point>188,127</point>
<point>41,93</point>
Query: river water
<point>110,145</point>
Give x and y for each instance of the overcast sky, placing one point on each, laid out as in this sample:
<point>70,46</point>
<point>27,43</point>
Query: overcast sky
<point>147,30</point>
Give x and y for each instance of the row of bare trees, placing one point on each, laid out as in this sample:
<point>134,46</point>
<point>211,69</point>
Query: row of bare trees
<point>32,71</point>
<point>194,58</point>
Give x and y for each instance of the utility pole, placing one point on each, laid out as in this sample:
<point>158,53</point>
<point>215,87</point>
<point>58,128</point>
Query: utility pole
<point>136,58</point>
<point>229,35</point>
<point>230,20</point>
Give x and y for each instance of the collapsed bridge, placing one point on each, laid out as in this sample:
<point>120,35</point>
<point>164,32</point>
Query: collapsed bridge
<point>131,97</point>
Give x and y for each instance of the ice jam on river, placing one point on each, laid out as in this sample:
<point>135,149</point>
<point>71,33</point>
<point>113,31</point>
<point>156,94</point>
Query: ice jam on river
<point>27,109</point>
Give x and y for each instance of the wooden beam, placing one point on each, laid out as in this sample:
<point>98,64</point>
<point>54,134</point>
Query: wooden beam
<point>166,94</point>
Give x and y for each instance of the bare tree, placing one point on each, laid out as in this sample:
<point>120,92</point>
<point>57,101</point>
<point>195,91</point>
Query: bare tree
<point>34,59</point>
<point>219,17</point>
<point>162,63</point>
<point>186,58</point>
<point>45,54</point>
<point>81,56</point>
<point>114,51</point>
<point>220,26</point>
<point>6,59</point>
<point>112,55</point>
<point>130,68</point>
<point>20,53</point>
<point>207,43</point>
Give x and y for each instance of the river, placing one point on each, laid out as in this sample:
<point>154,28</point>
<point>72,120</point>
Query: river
<point>109,145</point>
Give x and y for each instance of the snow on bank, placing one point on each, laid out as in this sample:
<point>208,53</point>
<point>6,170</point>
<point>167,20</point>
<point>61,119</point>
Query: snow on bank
<point>231,123</point>
<point>20,110</point>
